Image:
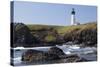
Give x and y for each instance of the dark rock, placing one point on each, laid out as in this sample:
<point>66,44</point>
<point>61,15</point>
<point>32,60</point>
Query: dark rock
<point>31,56</point>
<point>21,35</point>
<point>72,58</point>
<point>75,58</point>
<point>89,43</point>
<point>56,51</point>
<point>82,60</point>
<point>34,55</point>
<point>52,56</point>
<point>88,36</point>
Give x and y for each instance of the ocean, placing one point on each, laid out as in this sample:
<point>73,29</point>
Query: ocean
<point>89,53</point>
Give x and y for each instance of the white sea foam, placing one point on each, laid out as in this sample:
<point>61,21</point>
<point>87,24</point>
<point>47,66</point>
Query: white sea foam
<point>68,52</point>
<point>19,48</point>
<point>17,60</point>
<point>67,49</point>
<point>74,47</point>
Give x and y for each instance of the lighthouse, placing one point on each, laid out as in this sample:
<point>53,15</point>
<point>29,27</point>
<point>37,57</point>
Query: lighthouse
<point>73,17</point>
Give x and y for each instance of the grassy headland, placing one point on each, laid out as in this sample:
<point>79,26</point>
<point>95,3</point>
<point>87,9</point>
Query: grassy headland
<point>84,33</point>
<point>44,35</point>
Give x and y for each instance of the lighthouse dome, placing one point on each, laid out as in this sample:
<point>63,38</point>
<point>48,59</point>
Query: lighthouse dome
<point>73,12</point>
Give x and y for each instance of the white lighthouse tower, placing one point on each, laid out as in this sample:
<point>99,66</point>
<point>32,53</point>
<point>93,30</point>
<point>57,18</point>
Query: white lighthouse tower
<point>73,17</point>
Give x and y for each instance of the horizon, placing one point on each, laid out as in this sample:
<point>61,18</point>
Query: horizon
<point>39,13</point>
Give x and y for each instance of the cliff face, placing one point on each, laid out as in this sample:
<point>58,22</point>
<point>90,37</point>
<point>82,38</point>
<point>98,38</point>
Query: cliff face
<point>22,36</point>
<point>43,35</point>
<point>86,34</point>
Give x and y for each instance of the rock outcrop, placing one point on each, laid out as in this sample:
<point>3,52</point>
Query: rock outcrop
<point>85,35</point>
<point>56,51</point>
<point>54,55</point>
<point>34,55</point>
<point>21,35</point>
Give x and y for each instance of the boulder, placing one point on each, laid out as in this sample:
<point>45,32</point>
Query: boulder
<point>34,55</point>
<point>21,35</point>
<point>56,51</point>
<point>54,54</point>
<point>82,60</point>
<point>72,58</point>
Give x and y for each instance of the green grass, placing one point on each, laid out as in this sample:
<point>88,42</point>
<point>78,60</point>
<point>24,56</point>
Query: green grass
<point>50,38</point>
<point>40,27</point>
<point>63,29</point>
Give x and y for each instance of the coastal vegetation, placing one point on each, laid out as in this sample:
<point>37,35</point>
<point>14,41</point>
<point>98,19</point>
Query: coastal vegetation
<point>46,35</point>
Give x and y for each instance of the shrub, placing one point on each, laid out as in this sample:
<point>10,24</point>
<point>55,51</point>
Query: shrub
<point>50,38</point>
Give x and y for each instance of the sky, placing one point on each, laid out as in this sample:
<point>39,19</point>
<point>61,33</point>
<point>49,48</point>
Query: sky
<point>52,14</point>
